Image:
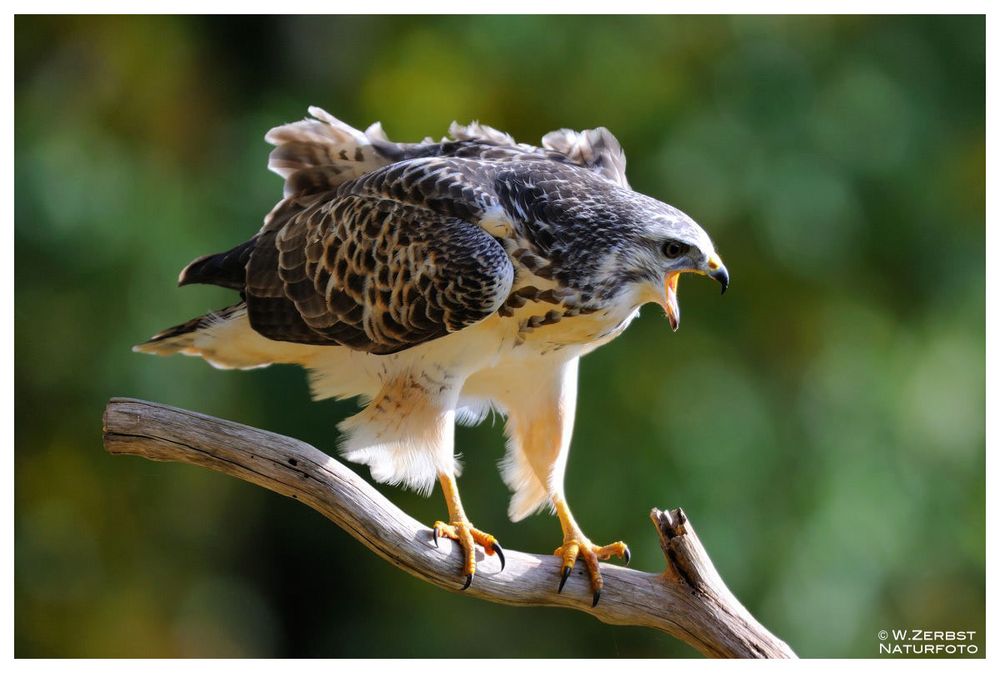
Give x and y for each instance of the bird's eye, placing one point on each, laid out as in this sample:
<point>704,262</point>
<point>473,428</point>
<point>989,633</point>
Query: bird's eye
<point>674,249</point>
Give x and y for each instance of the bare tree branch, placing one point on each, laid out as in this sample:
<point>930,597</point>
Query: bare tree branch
<point>688,600</point>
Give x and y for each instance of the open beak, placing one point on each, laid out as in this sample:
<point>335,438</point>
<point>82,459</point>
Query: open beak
<point>716,270</point>
<point>670,305</point>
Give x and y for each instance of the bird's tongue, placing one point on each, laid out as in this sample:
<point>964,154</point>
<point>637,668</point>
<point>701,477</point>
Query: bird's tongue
<point>670,306</point>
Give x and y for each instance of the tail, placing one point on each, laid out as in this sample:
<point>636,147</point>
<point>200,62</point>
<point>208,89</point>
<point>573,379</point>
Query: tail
<point>225,340</point>
<point>312,155</point>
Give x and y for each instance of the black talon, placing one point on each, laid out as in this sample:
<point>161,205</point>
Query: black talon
<point>436,544</point>
<point>468,581</point>
<point>565,576</point>
<point>628,555</point>
<point>498,550</point>
<point>597,597</point>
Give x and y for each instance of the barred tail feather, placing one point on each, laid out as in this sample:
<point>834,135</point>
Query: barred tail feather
<point>225,340</point>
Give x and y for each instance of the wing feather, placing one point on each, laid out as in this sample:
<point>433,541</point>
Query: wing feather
<point>322,153</point>
<point>381,246</point>
<point>596,149</point>
<point>373,274</point>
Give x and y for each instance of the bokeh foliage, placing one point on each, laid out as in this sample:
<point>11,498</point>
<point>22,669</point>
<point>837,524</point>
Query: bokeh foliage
<point>823,424</point>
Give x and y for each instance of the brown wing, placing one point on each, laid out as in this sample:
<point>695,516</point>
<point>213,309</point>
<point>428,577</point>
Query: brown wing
<point>372,274</point>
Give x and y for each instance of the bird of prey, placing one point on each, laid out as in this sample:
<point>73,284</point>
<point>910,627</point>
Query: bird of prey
<point>438,281</point>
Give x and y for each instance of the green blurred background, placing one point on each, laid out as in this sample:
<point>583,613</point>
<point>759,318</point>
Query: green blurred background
<point>823,424</point>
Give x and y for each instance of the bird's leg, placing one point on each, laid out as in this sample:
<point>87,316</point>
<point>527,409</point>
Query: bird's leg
<point>459,528</point>
<point>576,545</point>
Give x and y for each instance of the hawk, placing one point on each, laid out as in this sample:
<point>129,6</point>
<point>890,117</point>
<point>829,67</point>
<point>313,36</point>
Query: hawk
<point>438,281</point>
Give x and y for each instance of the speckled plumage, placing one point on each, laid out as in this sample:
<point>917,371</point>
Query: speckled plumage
<point>439,280</point>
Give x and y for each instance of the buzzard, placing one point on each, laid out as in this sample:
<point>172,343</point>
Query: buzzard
<point>439,281</point>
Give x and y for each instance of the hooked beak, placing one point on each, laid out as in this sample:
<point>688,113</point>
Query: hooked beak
<point>715,270</point>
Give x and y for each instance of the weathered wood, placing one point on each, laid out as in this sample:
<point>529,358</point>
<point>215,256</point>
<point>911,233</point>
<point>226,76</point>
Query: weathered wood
<point>688,601</point>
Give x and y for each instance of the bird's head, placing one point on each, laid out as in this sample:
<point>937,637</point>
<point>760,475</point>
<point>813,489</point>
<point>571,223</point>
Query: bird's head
<point>671,243</point>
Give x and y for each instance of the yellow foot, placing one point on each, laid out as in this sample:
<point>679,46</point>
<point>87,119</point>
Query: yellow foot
<point>591,554</point>
<point>467,536</point>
